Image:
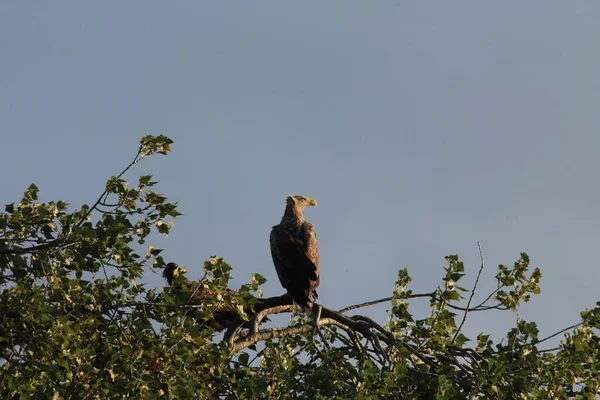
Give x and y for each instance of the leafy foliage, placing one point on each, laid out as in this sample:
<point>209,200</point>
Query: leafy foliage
<point>76,321</point>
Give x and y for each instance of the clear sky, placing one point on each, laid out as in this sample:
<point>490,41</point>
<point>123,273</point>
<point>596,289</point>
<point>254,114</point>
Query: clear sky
<point>420,128</point>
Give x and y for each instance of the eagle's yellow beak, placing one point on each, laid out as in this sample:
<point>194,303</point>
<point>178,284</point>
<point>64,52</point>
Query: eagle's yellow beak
<point>312,202</point>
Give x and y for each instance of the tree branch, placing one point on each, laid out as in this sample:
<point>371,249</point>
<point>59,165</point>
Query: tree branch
<point>105,193</point>
<point>471,296</point>
<point>385,299</point>
<point>559,332</point>
<point>62,236</point>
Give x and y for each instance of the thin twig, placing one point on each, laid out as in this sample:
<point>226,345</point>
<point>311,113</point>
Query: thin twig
<point>499,307</point>
<point>471,296</point>
<point>548,350</point>
<point>559,332</point>
<point>105,193</point>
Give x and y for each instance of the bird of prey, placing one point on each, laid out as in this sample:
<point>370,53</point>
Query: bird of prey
<point>194,293</point>
<point>295,252</point>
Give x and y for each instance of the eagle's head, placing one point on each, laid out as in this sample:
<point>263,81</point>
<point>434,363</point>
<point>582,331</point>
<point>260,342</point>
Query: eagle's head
<point>169,272</point>
<point>300,202</point>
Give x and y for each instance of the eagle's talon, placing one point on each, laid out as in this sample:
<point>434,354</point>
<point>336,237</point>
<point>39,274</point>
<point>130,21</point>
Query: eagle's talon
<point>316,328</point>
<point>317,313</point>
<point>315,322</point>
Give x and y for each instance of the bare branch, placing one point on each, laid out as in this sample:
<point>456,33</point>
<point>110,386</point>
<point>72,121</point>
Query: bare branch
<point>365,304</point>
<point>371,303</point>
<point>559,332</point>
<point>272,333</point>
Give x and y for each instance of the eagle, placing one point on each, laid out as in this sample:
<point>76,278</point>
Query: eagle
<point>224,314</point>
<point>295,252</point>
<point>194,293</point>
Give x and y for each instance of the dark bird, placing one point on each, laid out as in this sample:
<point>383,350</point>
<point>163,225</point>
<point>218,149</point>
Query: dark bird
<point>194,293</point>
<point>295,252</point>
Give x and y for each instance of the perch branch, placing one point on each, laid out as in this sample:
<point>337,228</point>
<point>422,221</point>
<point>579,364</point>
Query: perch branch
<point>385,299</point>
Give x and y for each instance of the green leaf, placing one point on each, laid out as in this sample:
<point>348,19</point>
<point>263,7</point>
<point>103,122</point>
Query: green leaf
<point>243,358</point>
<point>461,340</point>
<point>155,252</point>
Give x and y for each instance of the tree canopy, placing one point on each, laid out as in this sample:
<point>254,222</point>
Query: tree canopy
<point>77,321</point>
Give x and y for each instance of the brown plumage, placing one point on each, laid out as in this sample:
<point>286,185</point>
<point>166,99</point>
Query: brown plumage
<point>223,314</point>
<point>295,252</point>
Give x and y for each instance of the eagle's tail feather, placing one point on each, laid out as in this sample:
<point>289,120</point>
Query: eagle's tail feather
<point>303,297</point>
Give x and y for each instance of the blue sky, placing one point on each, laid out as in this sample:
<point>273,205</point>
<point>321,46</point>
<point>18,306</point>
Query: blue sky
<point>421,128</point>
